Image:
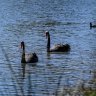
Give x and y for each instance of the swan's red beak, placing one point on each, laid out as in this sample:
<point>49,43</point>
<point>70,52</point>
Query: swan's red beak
<point>46,34</point>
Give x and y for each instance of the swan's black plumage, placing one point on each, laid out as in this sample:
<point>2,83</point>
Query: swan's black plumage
<point>28,58</point>
<point>57,47</point>
<point>91,25</point>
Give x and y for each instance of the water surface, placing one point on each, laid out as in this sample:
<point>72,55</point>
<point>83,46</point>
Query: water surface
<point>55,74</point>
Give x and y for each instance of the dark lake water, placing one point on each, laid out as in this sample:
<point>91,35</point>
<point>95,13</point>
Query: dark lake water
<point>54,74</point>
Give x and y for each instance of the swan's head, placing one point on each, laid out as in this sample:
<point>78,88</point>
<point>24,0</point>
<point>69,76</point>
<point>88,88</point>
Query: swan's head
<point>22,44</point>
<point>47,34</point>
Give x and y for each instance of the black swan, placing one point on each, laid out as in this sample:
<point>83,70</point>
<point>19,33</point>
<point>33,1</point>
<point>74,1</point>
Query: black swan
<point>92,25</point>
<point>57,47</point>
<point>28,58</point>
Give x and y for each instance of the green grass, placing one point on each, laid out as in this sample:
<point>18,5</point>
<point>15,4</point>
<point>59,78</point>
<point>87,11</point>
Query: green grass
<point>90,92</point>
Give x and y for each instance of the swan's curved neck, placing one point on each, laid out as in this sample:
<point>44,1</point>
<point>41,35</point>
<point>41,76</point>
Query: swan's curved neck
<point>90,24</point>
<point>23,55</point>
<point>48,43</point>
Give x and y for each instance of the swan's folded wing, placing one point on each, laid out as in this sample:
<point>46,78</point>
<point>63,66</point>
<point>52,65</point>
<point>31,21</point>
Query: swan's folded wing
<point>31,57</point>
<point>27,57</point>
<point>60,48</point>
<point>56,46</point>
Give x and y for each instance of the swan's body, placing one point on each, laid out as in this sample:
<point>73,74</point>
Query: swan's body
<point>60,48</point>
<point>28,58</point>
<point>92,25</point>
<point>57,47</point>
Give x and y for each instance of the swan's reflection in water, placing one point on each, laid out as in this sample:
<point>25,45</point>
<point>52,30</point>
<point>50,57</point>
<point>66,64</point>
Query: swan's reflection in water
<point>26,78</point>
<point>23,66</point>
